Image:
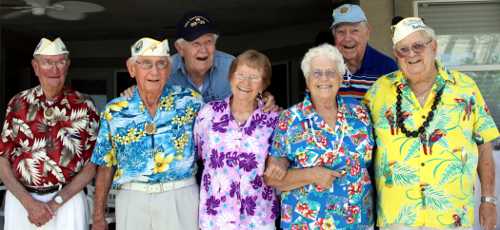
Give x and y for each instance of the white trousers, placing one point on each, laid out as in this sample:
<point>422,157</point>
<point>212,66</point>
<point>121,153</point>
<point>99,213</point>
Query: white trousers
<point>173,210</point>
<point>73,215</point>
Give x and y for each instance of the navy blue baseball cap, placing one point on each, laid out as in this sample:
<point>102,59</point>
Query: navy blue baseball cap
<point>194,24</point>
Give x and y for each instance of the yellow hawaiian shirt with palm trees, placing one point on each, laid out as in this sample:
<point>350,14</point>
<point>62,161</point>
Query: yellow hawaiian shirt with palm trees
<point>428,180</point>
<point>149,149</point>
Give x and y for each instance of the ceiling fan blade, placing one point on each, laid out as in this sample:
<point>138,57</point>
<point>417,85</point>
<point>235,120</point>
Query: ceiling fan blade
<point>16,14</point>
<point>65,15</point>
<point>37,3</point>
<point>16,7</point>
<point>84,7</point>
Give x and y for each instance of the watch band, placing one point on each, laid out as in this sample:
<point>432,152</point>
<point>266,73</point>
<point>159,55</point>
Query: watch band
<point>489,199</point>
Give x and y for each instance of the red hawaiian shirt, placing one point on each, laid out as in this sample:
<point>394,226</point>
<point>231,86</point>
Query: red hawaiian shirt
<point>48,142</point>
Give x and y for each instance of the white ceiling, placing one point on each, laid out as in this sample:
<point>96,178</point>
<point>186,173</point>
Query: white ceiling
<point>125,19</point>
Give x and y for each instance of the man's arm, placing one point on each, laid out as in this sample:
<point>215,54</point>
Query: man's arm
<point>39,213</point>
<point>103,184</point>
<point>486,172</point>
<point>76,185</point>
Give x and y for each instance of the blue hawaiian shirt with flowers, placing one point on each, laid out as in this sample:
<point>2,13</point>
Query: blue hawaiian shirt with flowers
<point>149,149</point>
<point>306,140</point>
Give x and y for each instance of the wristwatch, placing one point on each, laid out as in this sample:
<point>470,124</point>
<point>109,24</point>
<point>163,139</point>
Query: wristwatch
<point>489,199</point>
<point>58,199</point>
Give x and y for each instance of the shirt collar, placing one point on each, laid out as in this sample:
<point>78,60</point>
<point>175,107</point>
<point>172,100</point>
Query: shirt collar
<point>138,106</point>
<point>258,111</point>
<point>308,110</point>
<point>38,93</point>
<point>367,61</point>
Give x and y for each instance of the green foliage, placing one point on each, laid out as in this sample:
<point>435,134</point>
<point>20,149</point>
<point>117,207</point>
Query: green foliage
<point>435,198</point>
<point>404,175</point>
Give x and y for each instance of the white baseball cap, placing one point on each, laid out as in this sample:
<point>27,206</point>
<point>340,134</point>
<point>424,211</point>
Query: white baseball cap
<point>407,26</point>
<point>48,47</point>
<point>150,47</point>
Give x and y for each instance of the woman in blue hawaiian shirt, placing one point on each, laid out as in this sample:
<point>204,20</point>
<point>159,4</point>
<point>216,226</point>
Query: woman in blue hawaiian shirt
<point>326,142</point>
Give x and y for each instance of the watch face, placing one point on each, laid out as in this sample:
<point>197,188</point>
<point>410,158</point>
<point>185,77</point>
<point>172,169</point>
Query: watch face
<point>58,199</point>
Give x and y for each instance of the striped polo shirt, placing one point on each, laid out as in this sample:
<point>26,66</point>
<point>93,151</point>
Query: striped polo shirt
<point>375,64</point>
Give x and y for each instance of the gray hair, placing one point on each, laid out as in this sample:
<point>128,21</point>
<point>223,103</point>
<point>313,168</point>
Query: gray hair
<point>324,50</point>
<point>182,41</point>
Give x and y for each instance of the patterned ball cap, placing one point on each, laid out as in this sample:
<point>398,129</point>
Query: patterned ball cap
<point>193,25</point>
<point>150,47</point>
<point>48,47</point>
<point>405,27</point>
<point>347,13</point>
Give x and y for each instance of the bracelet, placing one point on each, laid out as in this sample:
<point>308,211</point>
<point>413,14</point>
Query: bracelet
<point>489,199</point>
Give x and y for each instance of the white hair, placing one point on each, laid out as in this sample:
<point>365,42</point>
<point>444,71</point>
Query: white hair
<point>37,56</point>
<point>324,50</point>
<point>182,40</point>
<point>134,59</point>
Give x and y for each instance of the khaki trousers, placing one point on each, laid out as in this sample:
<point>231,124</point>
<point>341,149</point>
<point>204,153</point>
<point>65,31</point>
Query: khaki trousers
<point>172,210</point>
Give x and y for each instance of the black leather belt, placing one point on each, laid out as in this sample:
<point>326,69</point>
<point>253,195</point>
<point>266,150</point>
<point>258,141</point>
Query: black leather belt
<point>44,190</point>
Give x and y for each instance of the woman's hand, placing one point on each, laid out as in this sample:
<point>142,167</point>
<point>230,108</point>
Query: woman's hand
<point>276,168</point>
<point>323,177</point>
<point>270,103</point>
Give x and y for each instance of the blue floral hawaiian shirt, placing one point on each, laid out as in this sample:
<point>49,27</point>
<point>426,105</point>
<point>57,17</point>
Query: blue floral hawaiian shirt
<point>306,140</point>
<point>149,149</point>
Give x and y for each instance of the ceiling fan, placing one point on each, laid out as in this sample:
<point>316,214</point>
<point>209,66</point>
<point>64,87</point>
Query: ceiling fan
<point>64,10</point>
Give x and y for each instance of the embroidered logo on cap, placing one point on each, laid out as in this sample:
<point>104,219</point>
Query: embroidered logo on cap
<point>138,46</point>
<point>195,21</point>
<point>344,10</point>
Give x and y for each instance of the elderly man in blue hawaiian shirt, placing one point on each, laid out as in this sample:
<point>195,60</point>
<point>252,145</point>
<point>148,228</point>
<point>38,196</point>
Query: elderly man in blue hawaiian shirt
<point>146,142</point>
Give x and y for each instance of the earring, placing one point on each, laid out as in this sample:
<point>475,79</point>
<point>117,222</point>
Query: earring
<point>259,96</point>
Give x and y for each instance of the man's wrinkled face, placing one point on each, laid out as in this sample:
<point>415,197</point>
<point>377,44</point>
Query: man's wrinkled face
<point>199,54</point>
<point>51,70</point>
<point>351,39</point>
<point>150,72</point>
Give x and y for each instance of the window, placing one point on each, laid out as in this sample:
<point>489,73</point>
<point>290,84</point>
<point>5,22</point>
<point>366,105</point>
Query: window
<point>468,34</point>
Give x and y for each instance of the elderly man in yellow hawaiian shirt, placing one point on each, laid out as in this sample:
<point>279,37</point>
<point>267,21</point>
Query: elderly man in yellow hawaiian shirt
<point>433,132</point>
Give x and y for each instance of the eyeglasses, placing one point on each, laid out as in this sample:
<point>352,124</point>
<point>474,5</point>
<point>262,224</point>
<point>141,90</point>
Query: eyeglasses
<point>147,65</point>
<point>329,73</point>
<point>48,64</point>
<point>417,47</point>
<point>251,77</point>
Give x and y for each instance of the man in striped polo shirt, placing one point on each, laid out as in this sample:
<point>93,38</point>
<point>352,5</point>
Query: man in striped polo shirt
<point>352,32</point>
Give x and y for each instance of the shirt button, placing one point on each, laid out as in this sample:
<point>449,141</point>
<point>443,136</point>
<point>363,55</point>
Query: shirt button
<point>422,164</point>
<point>423,116</point>
<point>422,189</point>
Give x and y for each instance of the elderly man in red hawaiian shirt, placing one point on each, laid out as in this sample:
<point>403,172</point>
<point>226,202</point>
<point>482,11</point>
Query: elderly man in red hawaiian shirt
<point>46,143</point>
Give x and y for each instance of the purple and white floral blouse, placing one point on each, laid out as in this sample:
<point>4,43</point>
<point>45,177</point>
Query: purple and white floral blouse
<point>233,194</point>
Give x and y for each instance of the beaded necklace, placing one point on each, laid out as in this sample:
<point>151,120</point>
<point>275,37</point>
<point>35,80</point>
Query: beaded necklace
<point>428,119</point>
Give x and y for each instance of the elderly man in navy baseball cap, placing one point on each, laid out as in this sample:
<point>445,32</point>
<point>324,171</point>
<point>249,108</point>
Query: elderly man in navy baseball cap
<point>198,65</point>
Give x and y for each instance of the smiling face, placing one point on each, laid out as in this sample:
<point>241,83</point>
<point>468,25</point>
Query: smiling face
<point>198,54</point>
<point>323,79</point>
<point>51,71</point>
<point>150,72</point>
<point>351,39</point>
<point>420,55</point>
<point>246,82</point>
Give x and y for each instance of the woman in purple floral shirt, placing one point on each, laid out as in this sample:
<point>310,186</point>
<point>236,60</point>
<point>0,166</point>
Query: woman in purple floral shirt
<point>232,138</point>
